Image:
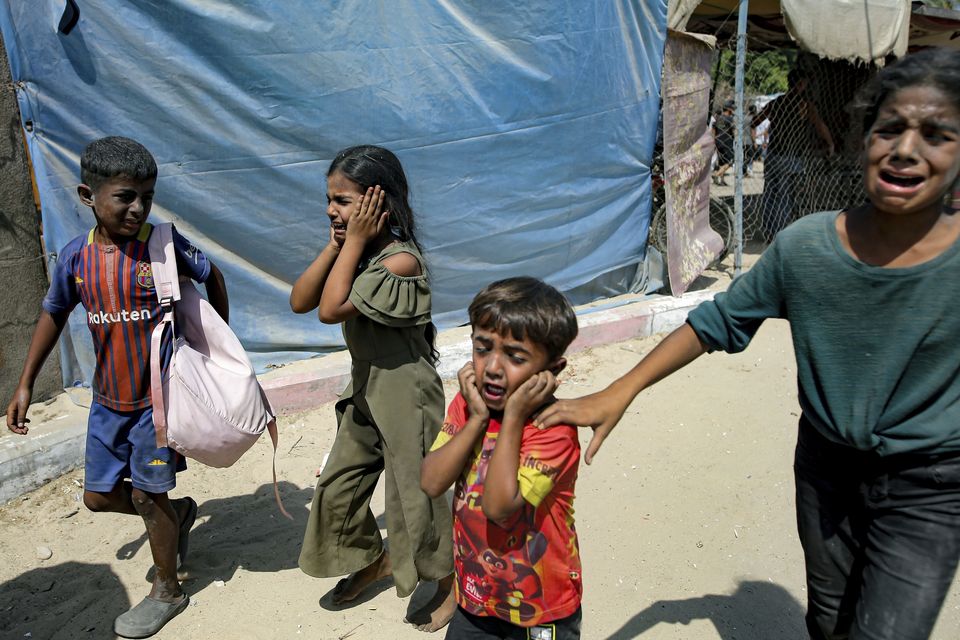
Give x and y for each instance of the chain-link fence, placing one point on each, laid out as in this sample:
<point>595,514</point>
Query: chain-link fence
<point>801,139</point>
<point>801,142</point>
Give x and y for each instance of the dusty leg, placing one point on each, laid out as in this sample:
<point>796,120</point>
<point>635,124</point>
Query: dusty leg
<point>436,613</point>
<point>166,600</point>
<point>117,500</point>
<point>162,526</point>
<point>351,586</point>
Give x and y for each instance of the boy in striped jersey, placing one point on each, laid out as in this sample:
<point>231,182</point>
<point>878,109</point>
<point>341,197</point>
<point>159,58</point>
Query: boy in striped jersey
<point>108,271</point>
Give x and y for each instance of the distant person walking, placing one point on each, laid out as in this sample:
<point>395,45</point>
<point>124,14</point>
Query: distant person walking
<point>787,150</point>
<point>723,136</point>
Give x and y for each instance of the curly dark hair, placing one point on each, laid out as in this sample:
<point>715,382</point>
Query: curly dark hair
<point>936,67</point>
<point>114,156</point>
<point>368,166</point>
<point>527,308</point>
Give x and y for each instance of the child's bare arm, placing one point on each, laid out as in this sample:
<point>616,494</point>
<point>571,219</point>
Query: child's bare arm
<point>306,292</point>
<point>441,468</point>
<point>602,411</point>
<point>217,293</point>
<point>501,489</point>
<point>365,224</point>
<point>45,335</point>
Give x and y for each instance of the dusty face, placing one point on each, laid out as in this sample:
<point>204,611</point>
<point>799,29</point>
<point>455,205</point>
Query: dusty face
<point>502,363</point>
<point>343,194</point>
<point>912,152</point>
<point>121,205</point>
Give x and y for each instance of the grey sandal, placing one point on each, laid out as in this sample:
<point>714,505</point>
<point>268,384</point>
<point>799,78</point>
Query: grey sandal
<point>148,617</point>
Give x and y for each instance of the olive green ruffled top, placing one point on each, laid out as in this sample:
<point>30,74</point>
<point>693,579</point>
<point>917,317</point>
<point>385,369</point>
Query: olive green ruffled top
<point>384,297</point>
<point>387,340</point>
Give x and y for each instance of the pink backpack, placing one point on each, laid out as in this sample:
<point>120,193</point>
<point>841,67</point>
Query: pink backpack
<point>210,406</point>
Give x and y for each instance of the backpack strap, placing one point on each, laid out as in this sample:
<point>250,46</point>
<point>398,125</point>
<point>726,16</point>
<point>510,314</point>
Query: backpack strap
<point>166,280</point>
<point>163,260</point>
<point>275,439</point>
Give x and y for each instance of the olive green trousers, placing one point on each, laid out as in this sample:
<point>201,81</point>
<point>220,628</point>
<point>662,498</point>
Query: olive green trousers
<point>343,535</point>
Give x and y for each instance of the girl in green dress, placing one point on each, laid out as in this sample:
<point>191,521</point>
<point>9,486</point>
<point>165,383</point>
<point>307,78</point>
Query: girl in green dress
<point>370,276</point>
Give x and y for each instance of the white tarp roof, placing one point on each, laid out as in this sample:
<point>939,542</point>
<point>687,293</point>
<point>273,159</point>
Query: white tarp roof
<point>854,30</point>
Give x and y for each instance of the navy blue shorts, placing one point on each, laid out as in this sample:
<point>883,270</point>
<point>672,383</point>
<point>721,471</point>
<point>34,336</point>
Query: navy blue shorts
<point>123,444</point>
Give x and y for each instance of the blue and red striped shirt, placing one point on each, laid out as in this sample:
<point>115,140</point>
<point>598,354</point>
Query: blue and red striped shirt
<point>114,283</point>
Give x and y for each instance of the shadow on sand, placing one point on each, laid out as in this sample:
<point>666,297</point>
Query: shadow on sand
<point>755,611</point>
<point>248,532</point>
<point>240,532</point>
<point>62,602</point>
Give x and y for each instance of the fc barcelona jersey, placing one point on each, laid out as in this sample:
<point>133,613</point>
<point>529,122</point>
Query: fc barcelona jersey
<point>114,283</point>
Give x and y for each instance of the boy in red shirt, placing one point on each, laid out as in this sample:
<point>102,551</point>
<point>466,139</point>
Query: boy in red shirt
<point>515,546</point>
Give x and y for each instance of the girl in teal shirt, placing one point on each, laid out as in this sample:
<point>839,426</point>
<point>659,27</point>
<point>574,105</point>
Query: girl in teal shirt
<point>871,295</point>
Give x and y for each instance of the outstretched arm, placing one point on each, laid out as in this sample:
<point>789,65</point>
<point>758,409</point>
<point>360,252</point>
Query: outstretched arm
<point>602,411</point>
<point>217,293</point>
<point>45,336</point>
<point>441,467</point>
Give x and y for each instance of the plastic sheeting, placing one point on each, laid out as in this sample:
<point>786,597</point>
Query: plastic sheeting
<point>526,130</point>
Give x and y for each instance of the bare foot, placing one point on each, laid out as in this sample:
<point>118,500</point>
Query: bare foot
<point>435,615</point>
<point>351,586</point>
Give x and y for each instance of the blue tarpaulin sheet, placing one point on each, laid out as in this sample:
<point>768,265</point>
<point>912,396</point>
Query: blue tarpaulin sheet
<point>526,130</point>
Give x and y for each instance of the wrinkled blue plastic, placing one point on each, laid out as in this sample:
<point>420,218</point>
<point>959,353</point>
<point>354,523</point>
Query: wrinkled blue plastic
<point>526,130</point>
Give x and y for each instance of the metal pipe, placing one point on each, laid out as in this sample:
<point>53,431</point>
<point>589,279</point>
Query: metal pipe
<point>738,140</point>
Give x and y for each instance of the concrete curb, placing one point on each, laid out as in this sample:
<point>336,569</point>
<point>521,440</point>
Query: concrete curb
<point>55,446</point>
<point>27,462</point>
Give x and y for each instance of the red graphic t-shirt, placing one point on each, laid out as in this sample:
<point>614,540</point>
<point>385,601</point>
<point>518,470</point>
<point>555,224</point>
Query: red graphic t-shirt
<point>529,572</point>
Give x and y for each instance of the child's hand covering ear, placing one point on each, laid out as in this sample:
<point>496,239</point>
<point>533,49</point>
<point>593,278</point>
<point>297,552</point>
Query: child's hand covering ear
<point>531,395</point>
<point>369,218</point>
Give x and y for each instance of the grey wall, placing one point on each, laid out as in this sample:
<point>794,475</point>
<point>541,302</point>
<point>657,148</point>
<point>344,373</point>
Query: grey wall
<point>23,279</point>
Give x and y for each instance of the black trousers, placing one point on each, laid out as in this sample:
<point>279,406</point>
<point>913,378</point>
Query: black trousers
<point>466,626</point>
<point>880,535</point>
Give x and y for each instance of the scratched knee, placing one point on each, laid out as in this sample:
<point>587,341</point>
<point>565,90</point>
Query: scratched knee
<point>143,503</point>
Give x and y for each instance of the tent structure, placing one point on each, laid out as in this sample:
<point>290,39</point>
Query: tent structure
<point>848,37</point>
<point>526,130</point>
<point>895,26</point>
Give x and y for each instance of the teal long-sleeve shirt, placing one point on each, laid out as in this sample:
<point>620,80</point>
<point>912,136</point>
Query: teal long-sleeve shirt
<point>877,349</point>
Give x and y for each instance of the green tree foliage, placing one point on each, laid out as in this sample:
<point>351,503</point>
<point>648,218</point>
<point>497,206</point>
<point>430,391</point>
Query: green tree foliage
<point>765,72</point>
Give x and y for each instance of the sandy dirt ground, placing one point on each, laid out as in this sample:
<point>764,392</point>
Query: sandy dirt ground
<point>685,519</point>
